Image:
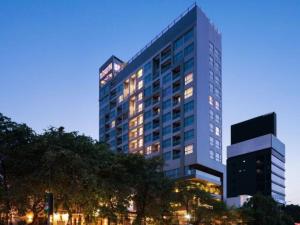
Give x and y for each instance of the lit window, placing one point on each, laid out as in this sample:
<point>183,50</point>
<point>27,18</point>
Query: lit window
<point>140,73</point>
<point>217,131</point>
<point>140,96</point>
<point>210,100</point>
<point>140,143</point>
<point>121,98</point>
<point>117,67</point>
<point>140,119</point>
<point>113,123</point>
<point>188,93</point>
<point>217,105</point>
<point>140,84</point>
<point>149,150</point>
<point>140,107</point>
<point>188,78</point>
<point>140,131</point>
<point>188,149</point>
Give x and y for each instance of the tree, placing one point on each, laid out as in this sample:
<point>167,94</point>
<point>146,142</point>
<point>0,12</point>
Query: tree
<point>263,210</point>
<point>293,211</point>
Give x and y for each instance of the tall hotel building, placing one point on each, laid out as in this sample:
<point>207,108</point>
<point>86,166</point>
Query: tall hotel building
<point>167,101</point>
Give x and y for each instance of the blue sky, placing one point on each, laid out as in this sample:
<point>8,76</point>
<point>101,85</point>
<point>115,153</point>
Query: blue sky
<point>50,52</point>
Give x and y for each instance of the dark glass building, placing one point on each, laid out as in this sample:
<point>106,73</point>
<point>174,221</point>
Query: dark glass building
<point>256,159</point>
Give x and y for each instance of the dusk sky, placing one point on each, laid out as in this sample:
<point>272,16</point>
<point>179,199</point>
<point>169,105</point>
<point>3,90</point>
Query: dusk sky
<point>50,52</point>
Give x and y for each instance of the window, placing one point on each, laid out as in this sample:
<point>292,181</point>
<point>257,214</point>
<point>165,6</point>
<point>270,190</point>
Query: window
<point>211,154</point>
<point>217,92</point>
<point>217,118</point>
<point>218,144</point>
<point>167,104</point>
<point>148,150</point>
<point>211,141</point>
<point>148,138</point>
<point>188,66</point>
<point>188,135</point>
<point>189,35</point>
<point>211,61</point>
<point>121,98</point>
<point>217,105</point>
<point>166,117</point>
<point>211,127</point>
<point>140,142</point>
<point>167,78</point>
<point>210,100</point>
<point>188,92</point>
<point>147,114</point>
<point>211,47</point>
<point>148,126</point>
<point>189,49</point>
<point>167,130</point>
<point>148,79</point>
<point>188,149</point>
<point>113,123</point>
<point>178,57</point>
<point>140,73</point>
<point>189,106</point>
<point>178,43</point>
<point>217,131</point>
<point>147,102</point>
<point>140,84</point>
<point>211,75</point>
<point>166,143</point>
<point>140,107</point>
<point>147,67</point>
<point>167,155</point>
<point>211,88</point>
<point>167,91</point>
<point>140,96</point>
<point>188,78</point>
<point>147,91</point>
<point>218,157</point>
<point>188,121</point>
<point>211,114</point>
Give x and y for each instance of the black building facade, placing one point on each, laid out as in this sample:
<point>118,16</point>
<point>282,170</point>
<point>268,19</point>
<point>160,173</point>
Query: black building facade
<point>256,159</point>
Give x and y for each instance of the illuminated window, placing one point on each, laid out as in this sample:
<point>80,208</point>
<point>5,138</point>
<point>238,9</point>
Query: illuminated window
<point>140,131</point>
<point>188,149</point>
<point>217,105</point>
<point>140,73</point>
<point>188,92</point>
<point>117,67</point>
<point>140,84</point>
<point>140,107</point>
<point>113,123</point>
<point>121,98</point>
<point>140,96</point>
<point>140,143</point>
<point>149,150</point>
<point>210,100</point>
<point>217,131</point>
<point>140,119</point>
<point>188,78</point>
